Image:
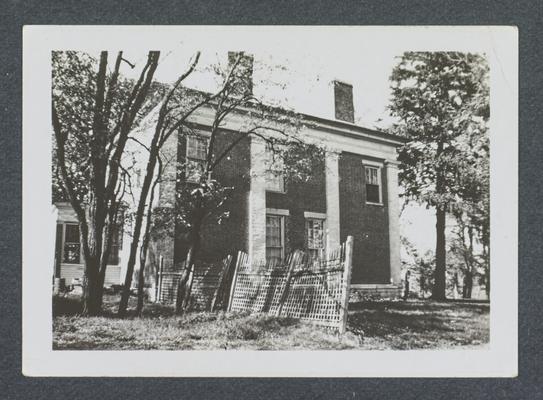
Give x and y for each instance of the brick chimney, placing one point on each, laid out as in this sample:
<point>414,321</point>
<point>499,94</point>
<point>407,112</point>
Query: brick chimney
<point>243,75</point>
<point>343,100</point>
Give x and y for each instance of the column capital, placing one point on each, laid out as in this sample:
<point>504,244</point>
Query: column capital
<point>392,163</point>
<point>256,139</point>
<point>332,154</point>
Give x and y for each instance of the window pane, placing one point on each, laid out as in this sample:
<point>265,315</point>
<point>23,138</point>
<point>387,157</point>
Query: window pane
<point>372,175</point>
<point>72,233</point>
<point>372,193</point>
<point>273,254</point>
<point>274,172</point>
<point>72,253</point>
<point>274,242</point>
<point>315,233</point>
<point>196,147</point>
<point>194,170</point>
<point>113,258</point>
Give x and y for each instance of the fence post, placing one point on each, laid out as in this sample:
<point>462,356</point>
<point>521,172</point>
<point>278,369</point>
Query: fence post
<point>346,284</point>
<point>224,272</point>
<point>240,258</point>
<point>160,277</point>
<point>296,259</point>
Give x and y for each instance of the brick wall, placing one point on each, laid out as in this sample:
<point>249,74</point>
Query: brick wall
<point>343,101</point>
<point>367,223</point>
<point>165,246</point>
<point>300,197</point>
<point>231,235</point>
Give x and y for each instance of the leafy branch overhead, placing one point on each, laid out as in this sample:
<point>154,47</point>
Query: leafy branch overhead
<point>441,101</point>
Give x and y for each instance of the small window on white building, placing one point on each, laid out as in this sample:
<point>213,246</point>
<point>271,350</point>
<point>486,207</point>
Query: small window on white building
<point>72,244</point>
<point>275,180</point>
<point>116,245</point>
<point>314,232</point>
<point>373,184</point>
<point>196,157</point>
<point>275,238</point>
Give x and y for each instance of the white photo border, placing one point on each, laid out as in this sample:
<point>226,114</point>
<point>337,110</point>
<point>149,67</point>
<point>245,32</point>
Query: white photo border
<point>499,359</point>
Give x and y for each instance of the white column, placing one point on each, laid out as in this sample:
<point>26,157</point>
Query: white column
<point>393,221</point>
<point>257,201</point>
<point>331,166</point>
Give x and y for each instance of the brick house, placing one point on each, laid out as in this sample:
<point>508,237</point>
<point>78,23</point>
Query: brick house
<point>353,191</point>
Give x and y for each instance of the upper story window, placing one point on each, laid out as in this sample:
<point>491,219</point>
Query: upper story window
<point>275,180</point>
<point>373,184</point>
<point>196,157</point>
<point>314,228</point>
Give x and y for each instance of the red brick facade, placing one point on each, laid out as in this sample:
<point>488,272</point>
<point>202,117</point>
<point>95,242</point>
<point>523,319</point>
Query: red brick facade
<point>366,222</point>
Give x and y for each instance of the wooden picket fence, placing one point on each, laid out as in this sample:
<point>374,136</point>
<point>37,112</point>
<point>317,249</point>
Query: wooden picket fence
<point>315,290</point>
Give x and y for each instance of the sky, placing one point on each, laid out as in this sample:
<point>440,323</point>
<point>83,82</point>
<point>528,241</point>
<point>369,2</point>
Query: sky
<point>298,76</point>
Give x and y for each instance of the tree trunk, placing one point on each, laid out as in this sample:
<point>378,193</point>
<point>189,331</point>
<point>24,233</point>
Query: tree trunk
<point>438,291</point>
<point>190,280</point>
<point>137,226</point>
<point>468,285</point>
<point>91,306</point>
<point>406,285</point>
<point>141,283</point>
<point>184,286</point>
<point>146,240</point>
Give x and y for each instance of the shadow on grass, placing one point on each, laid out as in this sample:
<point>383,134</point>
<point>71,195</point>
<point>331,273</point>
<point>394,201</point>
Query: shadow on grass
<point>72,305</point>
<point>421,322</point>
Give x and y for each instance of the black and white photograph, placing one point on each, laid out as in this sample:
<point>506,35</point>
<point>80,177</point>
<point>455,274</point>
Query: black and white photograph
<point>320,197</point>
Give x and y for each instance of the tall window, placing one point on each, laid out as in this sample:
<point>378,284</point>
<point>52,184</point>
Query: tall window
<point>72,245</point>
<point>373,184</point>
<point>314,232</point>
<point>116,245</point>
<point>275,181</point>
<point>196,157</point>
<point>275,238</point>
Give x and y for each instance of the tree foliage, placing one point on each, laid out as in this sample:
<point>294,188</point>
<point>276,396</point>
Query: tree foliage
<point>74,76</point>
<point>93,113</point>
<point>441,102</point>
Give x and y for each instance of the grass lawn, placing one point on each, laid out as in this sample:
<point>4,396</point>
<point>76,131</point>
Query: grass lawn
<point>371,326</point>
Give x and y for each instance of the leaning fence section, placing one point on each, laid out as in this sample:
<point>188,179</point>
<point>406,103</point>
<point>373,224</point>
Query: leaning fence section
<point>209,285</point>
<point>304,288</point>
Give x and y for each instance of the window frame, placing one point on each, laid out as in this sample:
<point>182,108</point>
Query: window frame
<point>118,242</point>
<point>281,215</point>
<point>189,158</point>
<point>379,168</point>
<point>315,217</point>
<point>278,172</point>
<point>64,224</point>
<point>63,248</point>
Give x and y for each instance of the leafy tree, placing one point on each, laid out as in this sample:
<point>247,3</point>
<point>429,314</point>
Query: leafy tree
<point>417,269</point>
<point>472,230</point>
<point>205,200</point>
<point>439,98</point>
<point>93,112</point>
